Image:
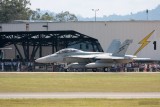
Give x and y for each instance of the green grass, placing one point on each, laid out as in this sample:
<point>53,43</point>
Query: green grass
<point>79,82</point>
<point>79,102</point>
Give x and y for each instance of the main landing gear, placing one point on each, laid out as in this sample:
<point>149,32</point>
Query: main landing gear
<point>106,69</point>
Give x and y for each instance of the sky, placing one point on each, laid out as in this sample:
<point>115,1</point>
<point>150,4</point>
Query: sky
<point>84,7</point>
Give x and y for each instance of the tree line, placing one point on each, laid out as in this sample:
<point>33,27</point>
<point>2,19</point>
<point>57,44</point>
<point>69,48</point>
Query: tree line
<point>11,10</point>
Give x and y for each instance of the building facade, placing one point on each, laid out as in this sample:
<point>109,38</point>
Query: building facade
<point>145,34</point>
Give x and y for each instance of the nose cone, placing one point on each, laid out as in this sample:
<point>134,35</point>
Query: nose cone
<point>48,59</point>
<point>41,60</point>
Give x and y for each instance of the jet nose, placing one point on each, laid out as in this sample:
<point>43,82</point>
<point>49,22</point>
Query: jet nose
<point>37,60</point>
<point>47,59</point>
<point>40,60</point>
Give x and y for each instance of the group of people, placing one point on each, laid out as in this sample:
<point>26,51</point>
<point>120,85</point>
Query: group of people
<point>16,66</point>
<point>129,67</point>
<point>136,67</point>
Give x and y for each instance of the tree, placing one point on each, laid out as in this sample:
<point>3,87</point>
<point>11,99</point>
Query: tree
<point>39,15</point>
<point>11,10</point>
<point>36,15</point>
<point>65,17</point>
<point>47,16</point>
<point>60,17</point>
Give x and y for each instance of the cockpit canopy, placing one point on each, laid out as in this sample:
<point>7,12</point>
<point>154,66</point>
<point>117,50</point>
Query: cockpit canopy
<point>68,50</point>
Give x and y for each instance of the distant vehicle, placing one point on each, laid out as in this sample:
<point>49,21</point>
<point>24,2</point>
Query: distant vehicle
<point>93,60</point>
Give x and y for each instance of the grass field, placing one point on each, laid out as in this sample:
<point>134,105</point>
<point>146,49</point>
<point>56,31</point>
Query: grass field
<point>79,102</point>
<point>79,82</point>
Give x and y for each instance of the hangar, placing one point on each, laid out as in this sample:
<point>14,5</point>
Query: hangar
<point>28,43</point>
<point>30,40</point>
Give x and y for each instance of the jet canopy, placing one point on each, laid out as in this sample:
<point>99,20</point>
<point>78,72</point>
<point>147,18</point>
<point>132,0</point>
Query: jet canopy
<point>68,50</point>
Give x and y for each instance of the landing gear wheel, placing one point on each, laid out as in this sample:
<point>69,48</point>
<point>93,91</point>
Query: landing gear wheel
<point>94,69</point>
<point>66,70</point>
<point>106,69</point>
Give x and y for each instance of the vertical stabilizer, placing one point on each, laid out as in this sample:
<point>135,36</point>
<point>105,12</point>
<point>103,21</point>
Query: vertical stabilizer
<point>123,48</point>
<point>114,46</point>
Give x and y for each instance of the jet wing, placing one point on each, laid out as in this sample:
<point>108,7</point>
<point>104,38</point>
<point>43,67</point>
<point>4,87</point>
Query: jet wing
<point>82,56</point>
<point>141,59</point>
<point>79,58</point>
<point>93,58</point>
<point>109,58</point>
<point>96,57</point>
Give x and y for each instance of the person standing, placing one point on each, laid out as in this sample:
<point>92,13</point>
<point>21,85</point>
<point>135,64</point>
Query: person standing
<point>2,65</point>
<point>19,66</point>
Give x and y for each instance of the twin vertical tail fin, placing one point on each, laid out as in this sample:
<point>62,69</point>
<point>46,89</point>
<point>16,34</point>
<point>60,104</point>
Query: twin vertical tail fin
<point>123,48</point>
<point>114,46</point>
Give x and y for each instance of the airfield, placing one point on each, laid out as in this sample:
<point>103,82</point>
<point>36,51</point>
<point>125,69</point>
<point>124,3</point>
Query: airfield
<point>91,89</point>
<point>25,82</point>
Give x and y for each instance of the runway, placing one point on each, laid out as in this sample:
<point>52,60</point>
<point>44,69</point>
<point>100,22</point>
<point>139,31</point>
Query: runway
<point>64,95</point>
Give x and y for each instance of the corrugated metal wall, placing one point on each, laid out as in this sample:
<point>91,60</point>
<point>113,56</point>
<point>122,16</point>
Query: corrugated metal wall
<point>105,32</point>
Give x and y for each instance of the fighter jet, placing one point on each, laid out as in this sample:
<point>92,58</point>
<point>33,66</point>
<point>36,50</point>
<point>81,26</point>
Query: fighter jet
<point>81,59</point>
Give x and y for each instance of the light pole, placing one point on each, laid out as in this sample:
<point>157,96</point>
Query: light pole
<point>95,11</point>
<point>147,13</point>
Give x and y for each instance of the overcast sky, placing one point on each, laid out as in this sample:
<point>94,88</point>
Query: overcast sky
<point>84,7</point>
